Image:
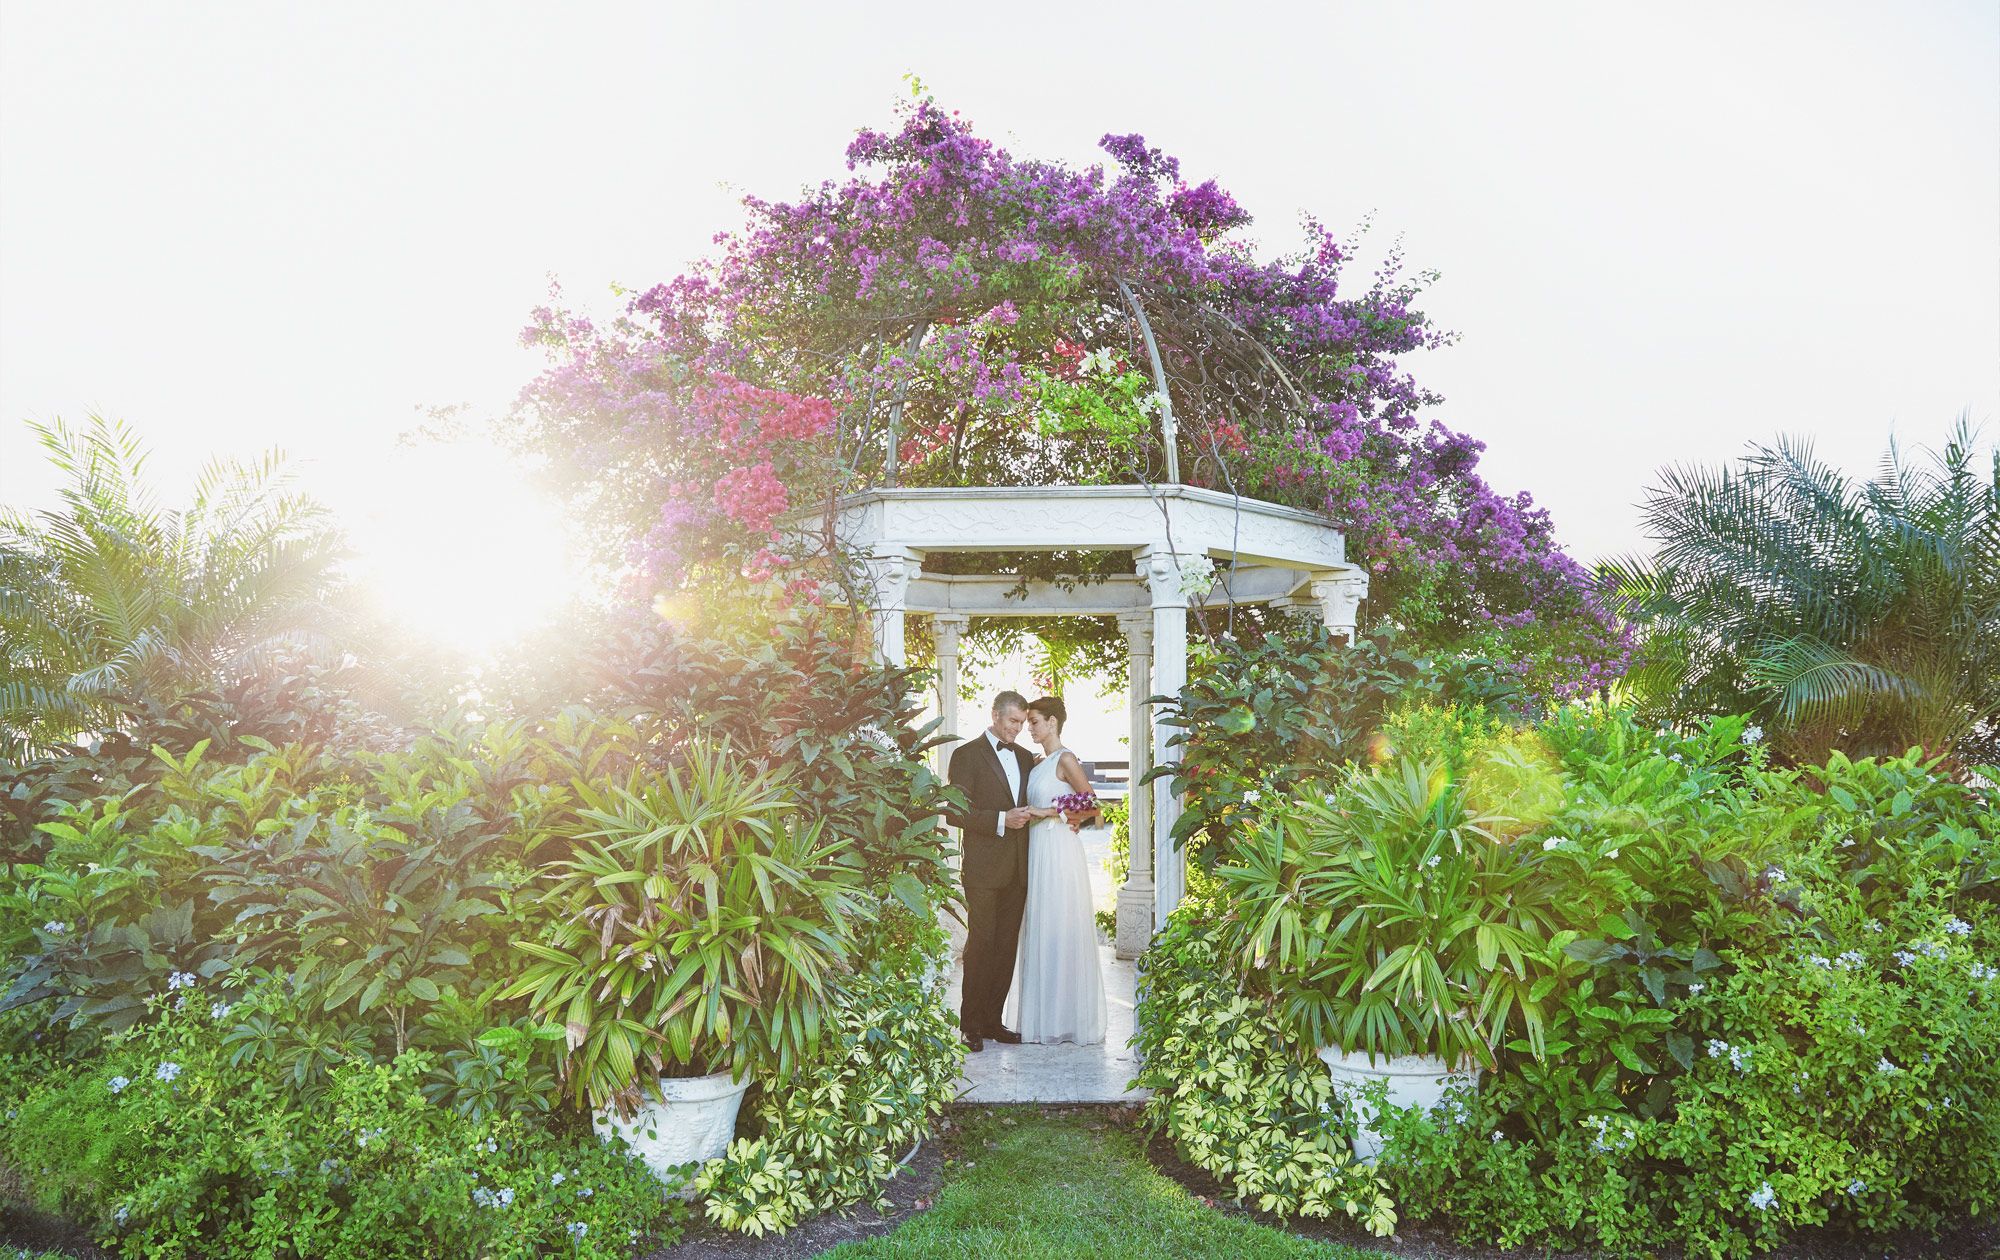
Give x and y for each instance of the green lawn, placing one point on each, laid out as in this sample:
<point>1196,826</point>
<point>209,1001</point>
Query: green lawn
<point>1067,1186</point>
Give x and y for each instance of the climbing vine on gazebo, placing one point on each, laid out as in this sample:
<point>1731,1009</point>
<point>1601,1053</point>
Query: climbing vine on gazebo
<point>952,315</point>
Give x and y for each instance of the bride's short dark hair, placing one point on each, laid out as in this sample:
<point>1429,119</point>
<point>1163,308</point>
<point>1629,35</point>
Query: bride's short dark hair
<point>1050,706</point>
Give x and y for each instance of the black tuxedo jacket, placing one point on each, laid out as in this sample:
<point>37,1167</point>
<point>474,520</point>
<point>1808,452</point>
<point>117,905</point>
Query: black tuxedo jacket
<point>991,859</point>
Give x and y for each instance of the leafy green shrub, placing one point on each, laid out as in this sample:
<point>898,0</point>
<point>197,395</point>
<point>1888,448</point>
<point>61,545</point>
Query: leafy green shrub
<point>790,695</point>
<point>1767,995</point>
<point>167,1147</point>
<point>888,1062</point>
<point>1293,707</point>
<point>1383,918</point>
<point>1236,1091</point>
<point>698,931</point>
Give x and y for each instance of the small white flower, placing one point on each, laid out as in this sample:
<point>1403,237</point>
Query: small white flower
<point>1252,797</point>
<point>577,1229</point>
<point>121,1214</point>
<point>1763,1198</point>
<point>219,1011</point>
<point>166,1071</point>
<point>1847,843</point>
<point>1676,758</point>
<point>1883,1065</point>
<point>1820,961</point>
<point>1773,874</point>
<point>55,927</point>
<point>118,1084</point>
<point>557,1180</point>
<point>1851,959</point>
<point>1873,925</point>
<point>1752,733</point>
<point>181,980</point>
<point>1957,927</point>
<point>1496,1135</point>
<point>1612,854</point>
<point>1857,1186</point>
<point>1553,842</point>
<point>585,1193</point>
<point>1696,987</point>
<point>1717,1048</point>
<point>1434,859</point>
<point>1980,971</point>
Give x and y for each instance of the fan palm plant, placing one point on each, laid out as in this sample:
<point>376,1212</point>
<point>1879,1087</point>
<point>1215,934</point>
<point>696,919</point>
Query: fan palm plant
<point>107,598</point>
<point>1858,616</point>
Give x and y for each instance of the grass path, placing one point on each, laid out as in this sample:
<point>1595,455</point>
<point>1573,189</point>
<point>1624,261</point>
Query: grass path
<point>1029,1186</point>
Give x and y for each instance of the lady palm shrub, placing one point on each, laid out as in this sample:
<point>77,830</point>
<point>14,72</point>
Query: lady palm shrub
<point>700,927</point>
<point>111,602</point>
<point>1858,617</point>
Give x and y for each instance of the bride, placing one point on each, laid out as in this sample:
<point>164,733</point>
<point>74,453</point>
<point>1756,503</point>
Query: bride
<point>1058,988</point>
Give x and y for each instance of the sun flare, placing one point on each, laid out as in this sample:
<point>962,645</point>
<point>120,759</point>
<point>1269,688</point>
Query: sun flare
<point>460,547</point>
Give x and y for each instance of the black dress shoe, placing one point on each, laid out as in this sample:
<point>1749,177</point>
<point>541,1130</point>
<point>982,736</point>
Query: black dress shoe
<point>1005,1036</point>
<point>973,1041</point>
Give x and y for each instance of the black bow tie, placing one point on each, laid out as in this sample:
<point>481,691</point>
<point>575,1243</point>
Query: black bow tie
<point>1012,747</point>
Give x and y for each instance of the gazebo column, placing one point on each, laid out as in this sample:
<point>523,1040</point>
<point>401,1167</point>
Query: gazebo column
<point>1162,571</point>
<point>889,573</point>
<point>1339,597</point>
<point>1135,898</point>
<point>946,627</point>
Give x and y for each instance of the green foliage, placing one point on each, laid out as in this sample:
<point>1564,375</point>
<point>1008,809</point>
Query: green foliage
<point>788,695</point>
<point>1294,706</point>
<point>1237,1092</point>
<point>110,602</point>
<point>1384,918</point>
<point>169,1147</point>
<point>1444,733</point>
<point>886,1067</point>
<point>1842,616</point>
<point>698,929</point>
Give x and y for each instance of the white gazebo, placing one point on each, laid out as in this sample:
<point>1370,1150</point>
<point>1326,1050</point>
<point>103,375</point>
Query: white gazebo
<point>1176,535</point>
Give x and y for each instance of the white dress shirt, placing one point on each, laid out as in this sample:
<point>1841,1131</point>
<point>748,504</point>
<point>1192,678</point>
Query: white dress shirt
<point>1011,767</point>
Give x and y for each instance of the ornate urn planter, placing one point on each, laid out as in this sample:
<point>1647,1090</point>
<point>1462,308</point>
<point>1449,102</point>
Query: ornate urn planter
<point>691,1123</point>
<point>1411,1080</point>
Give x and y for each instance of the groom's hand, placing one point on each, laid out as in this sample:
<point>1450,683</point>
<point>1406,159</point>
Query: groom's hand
<point>1018,817</point>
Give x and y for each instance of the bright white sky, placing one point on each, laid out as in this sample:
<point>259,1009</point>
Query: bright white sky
<point>1663,231</point>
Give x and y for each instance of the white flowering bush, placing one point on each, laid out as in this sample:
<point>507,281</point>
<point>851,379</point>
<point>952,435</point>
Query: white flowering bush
<point>167,1146</point>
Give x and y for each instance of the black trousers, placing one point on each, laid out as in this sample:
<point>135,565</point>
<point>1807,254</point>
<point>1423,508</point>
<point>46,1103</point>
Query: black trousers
<point>992,934</point>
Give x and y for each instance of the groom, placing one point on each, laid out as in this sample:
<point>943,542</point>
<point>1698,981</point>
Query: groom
<point>992,771</point>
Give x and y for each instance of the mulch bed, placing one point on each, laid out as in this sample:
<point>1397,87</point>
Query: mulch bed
<point>39,1232</point>
<point>1419,1240</point>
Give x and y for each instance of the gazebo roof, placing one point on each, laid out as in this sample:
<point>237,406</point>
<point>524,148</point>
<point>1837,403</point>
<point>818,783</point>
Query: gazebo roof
<point>1183,520</point>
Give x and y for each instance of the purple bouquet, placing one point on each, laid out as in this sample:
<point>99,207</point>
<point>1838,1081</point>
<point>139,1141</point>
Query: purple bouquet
<point>1077,805</point>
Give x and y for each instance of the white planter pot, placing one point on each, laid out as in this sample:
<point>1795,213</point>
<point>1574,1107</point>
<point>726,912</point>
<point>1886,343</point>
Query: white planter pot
<point>1412,1080</point>
<point>691,1125</point>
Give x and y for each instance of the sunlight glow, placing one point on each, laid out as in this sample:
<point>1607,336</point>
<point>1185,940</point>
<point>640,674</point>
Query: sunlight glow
<point>460,548</point>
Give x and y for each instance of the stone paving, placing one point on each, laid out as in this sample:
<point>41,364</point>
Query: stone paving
<point>1064,1073</point>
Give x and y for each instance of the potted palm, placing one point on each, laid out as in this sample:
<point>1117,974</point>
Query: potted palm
<point>1399,934</point>
<point>699,922</point>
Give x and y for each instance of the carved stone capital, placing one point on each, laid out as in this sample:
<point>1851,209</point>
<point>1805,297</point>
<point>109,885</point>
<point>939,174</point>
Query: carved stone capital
<point>889,576</point>
<point>1339,596</point>
<point>1137,627</point>
<point>946,629</point>
<point>1174,579</point>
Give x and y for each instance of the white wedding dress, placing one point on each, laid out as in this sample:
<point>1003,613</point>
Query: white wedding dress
<point>1058,992</point>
